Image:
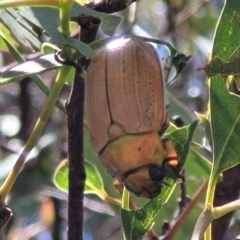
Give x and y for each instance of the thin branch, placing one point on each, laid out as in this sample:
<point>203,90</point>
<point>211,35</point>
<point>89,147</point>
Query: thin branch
<point>178,223</point>
<point>77,174</point>
<point>75,123</point>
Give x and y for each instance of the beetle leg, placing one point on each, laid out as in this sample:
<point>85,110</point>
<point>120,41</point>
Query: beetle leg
<point>172,163</point>
<point>165,183</point>
<point>172,159</point>
<point>86,125</point>
<point>170,150</point>
<point>118,186</point>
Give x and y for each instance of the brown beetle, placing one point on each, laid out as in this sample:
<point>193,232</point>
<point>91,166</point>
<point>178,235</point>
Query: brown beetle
<point>126,109</point>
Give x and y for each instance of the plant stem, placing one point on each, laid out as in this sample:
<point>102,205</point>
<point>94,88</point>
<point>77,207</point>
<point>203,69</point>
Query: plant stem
<point>114,201</point>
<point>209,200</point>
<point>77,175</point>
<point>178,223</point>
<point>44,116</point>
<point>125,199</point>
<point>125,204</point>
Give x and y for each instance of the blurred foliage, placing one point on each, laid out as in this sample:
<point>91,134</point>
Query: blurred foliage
<point>189,25</point>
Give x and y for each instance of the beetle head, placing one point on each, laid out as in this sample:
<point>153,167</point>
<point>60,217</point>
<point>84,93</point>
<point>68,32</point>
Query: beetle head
<point>136,161</point>
<point>145,181</point>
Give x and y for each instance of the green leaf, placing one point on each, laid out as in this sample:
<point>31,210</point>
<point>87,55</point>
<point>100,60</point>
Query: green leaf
<point>93,184</point>
<point>17,56</point>
<point>197,165</point>
<point>48,48</point>
<point>110,23</point>
<point>177,107</point>
<point>21,31</point>
<point>36,79</point>
<point>60,177</point>
<point>137,223</point>
<point>46,21</point>
<point>224,107</point>
<point>41,85</point>
<point>227,39</point>
<point>32,67</point>
<point>181,139</point>
<point>225,125</point>
<point>33,26</point>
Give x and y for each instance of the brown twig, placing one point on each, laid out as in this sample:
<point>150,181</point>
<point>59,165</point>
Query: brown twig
<point>76,161</point>
<point>178,223</point>
<point>25,106</point>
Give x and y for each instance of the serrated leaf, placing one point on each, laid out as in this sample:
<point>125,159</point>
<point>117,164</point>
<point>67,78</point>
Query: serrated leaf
<point>197,165</point>
<point>226,37</point>
<point>177,107</point>
<point>224,68</point>
<point>225,125</point>
<point>224,107</point>
<point>137,223</point>
<point>223,110</point>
